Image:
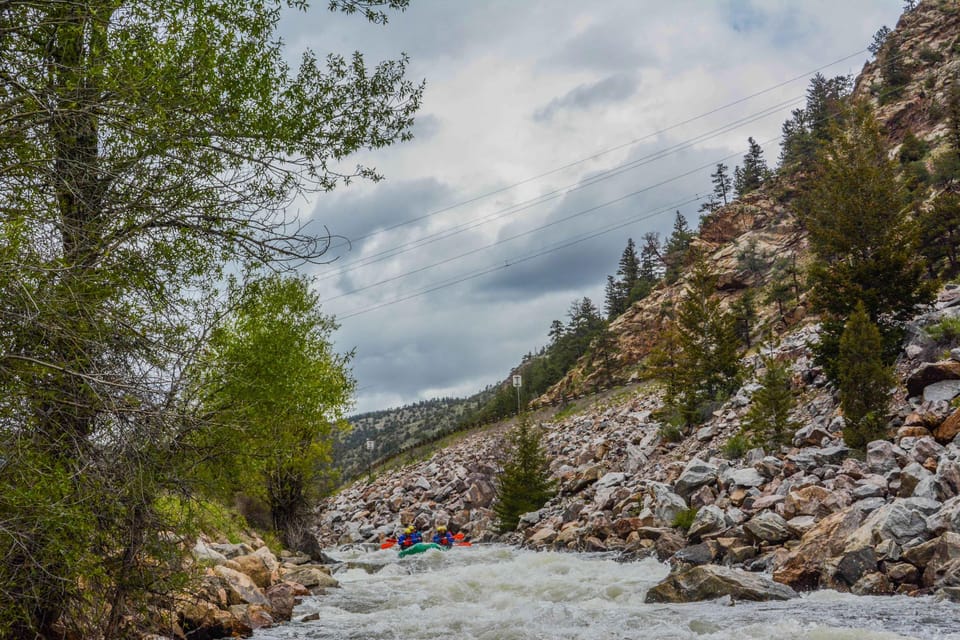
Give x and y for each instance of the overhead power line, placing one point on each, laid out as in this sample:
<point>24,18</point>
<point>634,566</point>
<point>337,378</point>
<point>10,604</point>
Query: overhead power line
<point>561,191</point>
<point>600,153</point>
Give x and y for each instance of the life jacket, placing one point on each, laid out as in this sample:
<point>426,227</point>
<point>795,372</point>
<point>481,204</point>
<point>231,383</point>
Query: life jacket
<point>445,538</point>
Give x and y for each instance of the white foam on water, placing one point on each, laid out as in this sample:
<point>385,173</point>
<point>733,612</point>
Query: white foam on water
<point>494,592</point>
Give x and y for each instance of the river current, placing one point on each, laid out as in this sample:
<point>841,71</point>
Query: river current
<point>494,592</point>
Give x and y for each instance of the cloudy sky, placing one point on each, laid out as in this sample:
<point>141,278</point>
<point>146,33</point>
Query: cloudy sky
<point>550,132</point>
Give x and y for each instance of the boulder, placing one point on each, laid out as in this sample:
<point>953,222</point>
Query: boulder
<point>311,577</point>
<point>709,519</point>
<point>696,474</point>
<point>666,504</point>
<point>697,554</point>
<point>882,456</point>
<point>748,477</point>
<point>931,372</point>
<point>283,598</point>
<point>943,391</point>
<point>803,566</point>
<point>240,588</point>
<point>854,565</point>
<point>910,476</point>
<point>948,429</point>
<point>901,521</point>
<point>709,582</point>
<point>812,501</point>
<point>767,526</point>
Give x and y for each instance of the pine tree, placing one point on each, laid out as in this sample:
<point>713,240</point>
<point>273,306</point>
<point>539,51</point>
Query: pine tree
<point>754,170</point>
<point>524,483</point>
<point>707,367</point>
<point>745,313</point>
<point>613,300</point>
<point>722,184</point>
<point>864,380</point>
<point>939,237</point>
<point>862,242</point>
<point>675,248</point>
<point>879,39</point>
<point>893,69</point>
<point>768,418</point>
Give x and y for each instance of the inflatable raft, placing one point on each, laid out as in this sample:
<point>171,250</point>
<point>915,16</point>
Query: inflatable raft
<point>420,547</point>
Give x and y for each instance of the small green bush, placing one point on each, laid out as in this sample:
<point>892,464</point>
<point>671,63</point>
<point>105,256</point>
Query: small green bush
<point>736,447</point>
<point>946,168</point>
<point>671,433</point>
<point>947,330</point>
<point>685,518</point>
<point>930,55</point>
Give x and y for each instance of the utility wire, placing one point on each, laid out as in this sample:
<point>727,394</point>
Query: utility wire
<point>554,248</point>
<point>572,216</point>
<point>561,191</point>
<point>600,153</point>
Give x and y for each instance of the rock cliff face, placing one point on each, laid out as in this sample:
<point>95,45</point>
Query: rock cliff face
<point>811,513</point>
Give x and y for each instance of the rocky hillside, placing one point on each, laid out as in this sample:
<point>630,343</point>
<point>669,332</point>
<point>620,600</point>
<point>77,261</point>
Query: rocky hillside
<point>396,430</point>
<point>928,48</point>
<point>812,513</point>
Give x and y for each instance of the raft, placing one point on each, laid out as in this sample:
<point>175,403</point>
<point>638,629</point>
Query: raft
<point>420,547</point>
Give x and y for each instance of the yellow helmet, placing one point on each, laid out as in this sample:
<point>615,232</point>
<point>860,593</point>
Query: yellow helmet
<point>441,529</point>
<point>410,529</point>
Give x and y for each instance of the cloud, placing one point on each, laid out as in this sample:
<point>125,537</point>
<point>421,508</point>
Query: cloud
<point>615,88</point>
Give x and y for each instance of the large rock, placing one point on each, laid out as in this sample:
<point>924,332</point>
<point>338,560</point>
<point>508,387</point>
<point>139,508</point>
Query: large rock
<point>666,505</point>
<point>813,501</point>
<point>709,519</point>
<point>902,520</point>
<point>804,566</point>
<point>767,526</point>
<point>943,391</point>
<point>311,576</point>
<point>910,476</point>
<point>882,456</point>
<point>239,587</point>
<point>948,429</point>
<point>261,565</point>
<point>930,373</point>
<point>696,474</point>
<point>709,582</point>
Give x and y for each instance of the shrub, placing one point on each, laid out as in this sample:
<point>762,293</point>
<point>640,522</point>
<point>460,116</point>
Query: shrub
<point>736,447</point>
<point>930,55</point>
<point>685,518</point>
<point>671,433</point>
<point>945,331</point>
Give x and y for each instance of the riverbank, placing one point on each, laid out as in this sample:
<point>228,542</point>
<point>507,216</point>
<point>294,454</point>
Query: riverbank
<point>816,515</point>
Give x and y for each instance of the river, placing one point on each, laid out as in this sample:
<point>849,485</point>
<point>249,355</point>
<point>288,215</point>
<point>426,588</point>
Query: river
<point>494,592</point>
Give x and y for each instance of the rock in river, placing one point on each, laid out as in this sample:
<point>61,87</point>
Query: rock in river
<point>709,582</point>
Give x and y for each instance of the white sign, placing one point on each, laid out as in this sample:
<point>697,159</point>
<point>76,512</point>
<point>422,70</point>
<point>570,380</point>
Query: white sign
<point>516,381</point>
<point>369,445</point>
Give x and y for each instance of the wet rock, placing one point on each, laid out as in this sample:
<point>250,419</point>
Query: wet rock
<point>709,582</point>
<point>872,584</point>
<point>311,576</point>
<point>903,572</point>
<point>283,598</point>
<point>696,554</point>
<point>854,565</point>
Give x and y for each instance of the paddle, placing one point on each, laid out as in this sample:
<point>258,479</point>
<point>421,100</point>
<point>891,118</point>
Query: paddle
<point>386,544</point>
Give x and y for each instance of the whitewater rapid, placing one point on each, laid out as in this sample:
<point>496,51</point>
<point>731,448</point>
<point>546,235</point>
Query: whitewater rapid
<point>494,592</point>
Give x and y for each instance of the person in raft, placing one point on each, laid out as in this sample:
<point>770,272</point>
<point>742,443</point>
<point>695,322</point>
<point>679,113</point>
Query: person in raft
<point>409,537</point>
<point>443,537</point>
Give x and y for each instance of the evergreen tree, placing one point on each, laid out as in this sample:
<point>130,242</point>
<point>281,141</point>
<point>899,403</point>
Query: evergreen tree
<point>754,170</point>
<point>863,244</point>
<point>797,146</point>
<point>675,248</point>
<point>707,366</point>
<point>939,237</point>
<point>879,39</point>
<point>825,103</point>
<point>722,184</point>
<point>524,483</point>
<point>768,418</point>
<point>745,313</point>
<point>613,300</point>
<point>864,380</point>
<point>893,69</point>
